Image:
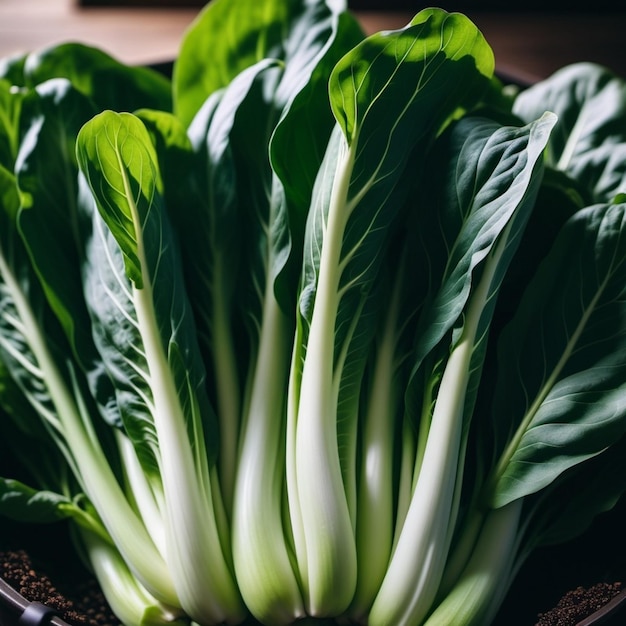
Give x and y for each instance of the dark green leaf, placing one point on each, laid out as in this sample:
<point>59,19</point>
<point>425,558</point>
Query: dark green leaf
<point>590,139</point>
<point>26,504</point>
<point>563,357</point>
<point>110,83</point>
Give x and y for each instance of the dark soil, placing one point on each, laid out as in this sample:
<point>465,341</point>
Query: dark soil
<point>40,562</point>
<point>79,603</point>
<point>579,603</point>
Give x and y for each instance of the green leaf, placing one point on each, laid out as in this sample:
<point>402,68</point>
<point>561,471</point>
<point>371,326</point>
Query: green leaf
<point>567,508</point>
<point>590,139</point>
<point>10,108</point>
<point>378,79</point>
<point>26,438</point>
<point>12,69</point>
<point>110,83</point>
<point>176,157</point>
<point>49,219</point>
<point>119,161</point>
<point>225,38</point>
<point>558,198</point>
<point>229,36</point>
<point>21,502</point>
<point>36,353</point>
<point>482,176</point>
<point>299,140</point>
<point>24,317</point>
<point>562,365</point>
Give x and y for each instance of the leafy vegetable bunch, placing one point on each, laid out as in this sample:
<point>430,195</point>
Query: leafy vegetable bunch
<point>324,326</point>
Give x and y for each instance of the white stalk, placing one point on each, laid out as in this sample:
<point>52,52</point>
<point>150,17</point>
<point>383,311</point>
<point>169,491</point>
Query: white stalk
<point>128,599</point>
<point>474,600</point>
<point>146,497</point>
<point>263,563</point>
<point>416,567</point>
<point>374,528</point>
<point>329,568</point>
<point>195,556</point>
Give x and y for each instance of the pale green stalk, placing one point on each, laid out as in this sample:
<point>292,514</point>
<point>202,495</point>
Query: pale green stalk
<point>195,554</point>
<point>477,595</point>
<point>414,573</point>
<point>263,563</point>
<point>145,495</point>
<point>327,554</point>
<point>462,550</point>
<point>128,599</point>
<point>404,490</point>
<point>196,559</point>
<point>375,521</point>
<point>93,469</point>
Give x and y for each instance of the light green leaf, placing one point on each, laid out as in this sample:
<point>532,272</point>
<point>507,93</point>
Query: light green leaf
<point>229,36</point>
<point>367,83</point>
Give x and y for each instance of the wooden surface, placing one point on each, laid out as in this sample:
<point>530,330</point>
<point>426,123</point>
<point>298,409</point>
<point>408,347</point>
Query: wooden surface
<point>528,46</point>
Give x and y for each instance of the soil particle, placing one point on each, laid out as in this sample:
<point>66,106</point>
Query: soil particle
<point>578,604</point>
<point>79,603</point>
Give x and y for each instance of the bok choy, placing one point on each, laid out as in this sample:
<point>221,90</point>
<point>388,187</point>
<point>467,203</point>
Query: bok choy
<point>323,328</point>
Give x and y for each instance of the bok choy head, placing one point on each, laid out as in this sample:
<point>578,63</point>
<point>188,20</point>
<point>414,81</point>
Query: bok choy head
<point>328,327</point>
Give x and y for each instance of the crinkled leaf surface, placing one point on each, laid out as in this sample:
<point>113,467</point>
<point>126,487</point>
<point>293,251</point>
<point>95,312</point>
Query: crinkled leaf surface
<point>20,292</point>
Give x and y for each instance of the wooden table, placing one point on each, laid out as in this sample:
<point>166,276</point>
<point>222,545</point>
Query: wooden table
<point>528,46</point>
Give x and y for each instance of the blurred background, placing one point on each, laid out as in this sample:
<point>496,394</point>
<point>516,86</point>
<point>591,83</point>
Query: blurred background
<point>530,38</point>
<point>402,5</point>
